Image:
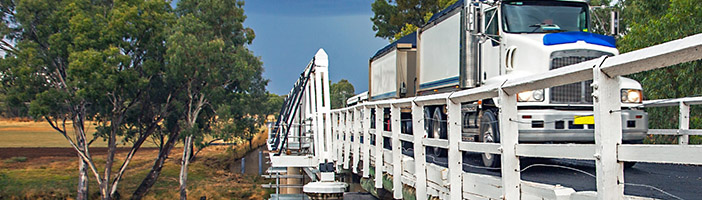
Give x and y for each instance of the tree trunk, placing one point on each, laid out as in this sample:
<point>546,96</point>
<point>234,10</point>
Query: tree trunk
<point>83,180</point>
<point>184,167</point>
<point>155,172</point>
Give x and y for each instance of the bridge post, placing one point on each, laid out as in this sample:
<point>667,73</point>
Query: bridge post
<point>366,142</point>
<point>356,130</point>
<point>455,157</point>
<point>346,139</point>
<point>396,152</point>
<point>684,122</point>
<point>608,135</point>
<point>339,142</point>
<point>311,112</point>
<point>337,137</point>
<point>379,147</point>
<point>420,172</point>
<point>509,137</point>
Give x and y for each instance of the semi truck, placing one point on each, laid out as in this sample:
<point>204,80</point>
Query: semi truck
<point>475,43</point>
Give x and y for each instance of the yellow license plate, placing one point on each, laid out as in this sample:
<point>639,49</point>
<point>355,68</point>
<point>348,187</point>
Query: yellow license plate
<point>584,120</point>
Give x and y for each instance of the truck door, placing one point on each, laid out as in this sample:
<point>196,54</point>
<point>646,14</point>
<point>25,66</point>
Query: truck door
<point>490,46</point>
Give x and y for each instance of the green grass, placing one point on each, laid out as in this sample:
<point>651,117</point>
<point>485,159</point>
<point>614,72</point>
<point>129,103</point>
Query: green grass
<point>57,179</point>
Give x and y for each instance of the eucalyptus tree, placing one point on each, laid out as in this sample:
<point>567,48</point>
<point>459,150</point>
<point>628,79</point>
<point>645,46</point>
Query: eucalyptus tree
<point>207,53</point>
<point>78,60</point>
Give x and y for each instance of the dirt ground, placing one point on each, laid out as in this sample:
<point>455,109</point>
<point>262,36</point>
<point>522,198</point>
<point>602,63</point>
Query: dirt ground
<point>36,152</point>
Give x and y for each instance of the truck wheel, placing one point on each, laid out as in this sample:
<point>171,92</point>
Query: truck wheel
<point>428,121</point>
<point>490,133</point>
<point>438,131</point>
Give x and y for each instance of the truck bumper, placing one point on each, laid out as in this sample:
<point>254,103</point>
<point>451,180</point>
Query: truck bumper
<point>557,126</point>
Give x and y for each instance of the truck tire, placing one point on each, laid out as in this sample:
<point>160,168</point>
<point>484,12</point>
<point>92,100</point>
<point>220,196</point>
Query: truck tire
<point>428,121</point>
<point>438,131</point>
<point>490,133</point>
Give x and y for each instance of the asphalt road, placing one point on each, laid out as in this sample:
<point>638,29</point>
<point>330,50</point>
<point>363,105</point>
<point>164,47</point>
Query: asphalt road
<point>683,181</point>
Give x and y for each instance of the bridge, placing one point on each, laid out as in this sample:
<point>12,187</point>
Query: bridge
<point>312,143</point>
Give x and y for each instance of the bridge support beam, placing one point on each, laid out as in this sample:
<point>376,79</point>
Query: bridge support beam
<point>379,111</point>
<point>347,138</point>
<point>684,123</point>
<point>420,185</point>
<point>509,137</point>
<point>356,130</point>
<point>608,134</point>
<point>366,142</point>
<point>455,157</point>
<point>396,152</point>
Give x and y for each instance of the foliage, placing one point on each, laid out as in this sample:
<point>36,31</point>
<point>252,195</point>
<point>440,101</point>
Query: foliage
<point>339,92</point>
<point>394,20</point>
<point>656,22</point>
<point>221,78</point>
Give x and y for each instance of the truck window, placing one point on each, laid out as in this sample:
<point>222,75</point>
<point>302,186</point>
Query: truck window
<point>544,16</point>
<point>491,22</point>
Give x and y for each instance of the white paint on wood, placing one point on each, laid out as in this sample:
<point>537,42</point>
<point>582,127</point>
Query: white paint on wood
<point>569,151</point>
<point>455,157</point>
<point>419,156</point>
<point>608,134</point>
<point>679,154</point>
<point>509,136</point>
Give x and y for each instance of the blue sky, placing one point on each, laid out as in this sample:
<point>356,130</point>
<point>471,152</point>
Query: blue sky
<point>288,34</point>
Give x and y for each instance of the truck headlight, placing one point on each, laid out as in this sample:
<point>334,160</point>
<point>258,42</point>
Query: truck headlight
<point>631,96</point>
<point>533,95</point>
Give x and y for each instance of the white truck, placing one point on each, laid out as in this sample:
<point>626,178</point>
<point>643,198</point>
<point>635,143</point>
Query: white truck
<point>474,43</point>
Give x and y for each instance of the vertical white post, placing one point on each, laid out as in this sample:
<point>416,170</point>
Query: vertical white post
<point>366,142</point>
<point>455,157</point>
<point>356,139</point>
<point>335,132</point>
<point>379,147</point>
<point>509,137</point>
<point>346,137</point>
<point>314,115</point>
<point>684,121</point>
<point>420,185</point>
<point>608,135</point>
<point>396,152</point>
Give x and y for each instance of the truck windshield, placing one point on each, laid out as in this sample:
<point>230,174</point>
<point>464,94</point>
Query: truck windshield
<point>544,16</point>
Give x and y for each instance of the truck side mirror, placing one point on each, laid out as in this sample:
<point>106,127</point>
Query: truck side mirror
<point>614,23</point>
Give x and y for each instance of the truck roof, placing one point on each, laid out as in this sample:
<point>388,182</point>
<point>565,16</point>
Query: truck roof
<point>407,39</point>
<point>443,12</point>
<point>459,4</point>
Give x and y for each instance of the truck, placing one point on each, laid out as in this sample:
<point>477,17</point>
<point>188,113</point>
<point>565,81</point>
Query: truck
<point>476,43</point>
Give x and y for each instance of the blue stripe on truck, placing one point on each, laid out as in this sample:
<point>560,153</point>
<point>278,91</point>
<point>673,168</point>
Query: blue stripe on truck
<point>383,96</point>
<point>446,81</point>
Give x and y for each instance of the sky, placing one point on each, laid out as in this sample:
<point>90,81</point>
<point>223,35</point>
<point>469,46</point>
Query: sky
<point>289,33</point>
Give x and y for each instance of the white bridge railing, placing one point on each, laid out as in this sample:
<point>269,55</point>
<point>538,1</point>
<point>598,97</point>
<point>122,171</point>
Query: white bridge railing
<point>683,132</point>
<point>453,183</point>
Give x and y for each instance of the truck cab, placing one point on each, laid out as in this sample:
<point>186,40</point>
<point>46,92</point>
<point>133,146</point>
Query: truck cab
<point>500,40</point>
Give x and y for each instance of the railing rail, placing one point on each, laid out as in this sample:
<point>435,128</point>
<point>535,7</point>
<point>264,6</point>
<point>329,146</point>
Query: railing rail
<point>452,183</point>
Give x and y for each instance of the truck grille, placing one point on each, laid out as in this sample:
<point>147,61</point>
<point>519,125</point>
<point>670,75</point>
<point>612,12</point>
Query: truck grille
<point>574,93</point>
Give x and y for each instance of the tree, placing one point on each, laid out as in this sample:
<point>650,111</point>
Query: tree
<point>77,60</point>
<point>207,53</point>
<point>656,22</point>
<point>394,20</point>
<point>339,92</point>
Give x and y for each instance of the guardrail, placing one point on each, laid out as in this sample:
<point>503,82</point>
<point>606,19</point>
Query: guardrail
<point>683,132</point>
<point>452,183</point>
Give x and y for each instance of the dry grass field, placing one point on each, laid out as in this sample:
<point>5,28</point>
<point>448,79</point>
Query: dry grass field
<point>51,173</point>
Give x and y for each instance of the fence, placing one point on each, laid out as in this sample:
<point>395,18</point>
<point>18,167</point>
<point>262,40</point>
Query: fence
<point>350,127</point>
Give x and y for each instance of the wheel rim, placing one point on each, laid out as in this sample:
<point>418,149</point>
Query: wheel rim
<point>488,138</point>
<point>436,132</point>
